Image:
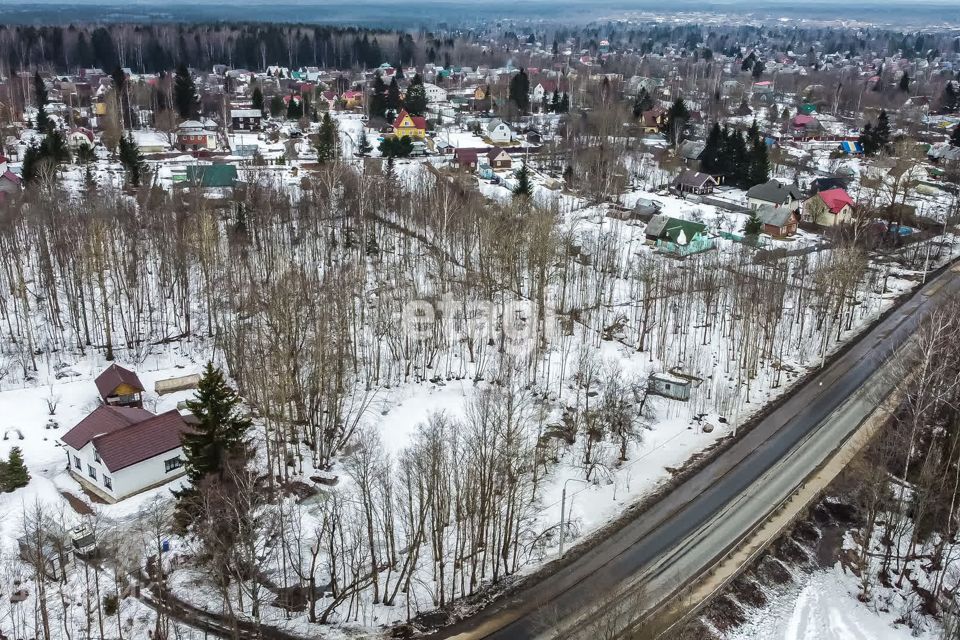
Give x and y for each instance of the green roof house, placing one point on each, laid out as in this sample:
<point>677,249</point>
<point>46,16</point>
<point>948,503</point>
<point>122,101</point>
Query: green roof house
<point>677,236</point>
<point>211,176</point>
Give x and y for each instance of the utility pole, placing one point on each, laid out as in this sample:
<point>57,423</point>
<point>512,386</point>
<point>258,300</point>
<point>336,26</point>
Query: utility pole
<point>563,511</point>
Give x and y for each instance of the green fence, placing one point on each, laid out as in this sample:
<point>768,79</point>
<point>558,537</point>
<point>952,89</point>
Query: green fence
<point>699,245</point>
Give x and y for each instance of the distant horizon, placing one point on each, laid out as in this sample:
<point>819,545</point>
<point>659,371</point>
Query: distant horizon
<point>921,14</point>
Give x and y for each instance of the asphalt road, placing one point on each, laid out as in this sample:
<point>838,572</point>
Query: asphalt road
<point>679,536</point>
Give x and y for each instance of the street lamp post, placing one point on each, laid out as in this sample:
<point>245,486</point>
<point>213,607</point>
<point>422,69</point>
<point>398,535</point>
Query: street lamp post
<point>563,510</point>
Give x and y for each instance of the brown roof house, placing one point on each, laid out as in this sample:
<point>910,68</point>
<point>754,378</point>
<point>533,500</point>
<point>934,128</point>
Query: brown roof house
<point>693,182</point>
<point>119,387</point>
<point>116,452</point>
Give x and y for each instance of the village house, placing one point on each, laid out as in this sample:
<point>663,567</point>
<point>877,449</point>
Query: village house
<point>675,230</point>
<point>407,125</point>
<point>116,452</point>
<point>79,137</point>
<point>9,181</point>
<point>829,208</point>
<point>499,159</point>
<point>778,222</point>
<point>434,93</point>
<point>652,120</point>
<point>693,182</point>
<point>774,193</point>
<point>245,119</point>
<point>352,99</point>
<point>498,131</point>
<point>151,141</point>
<point>193,135</point>
<point>119,387</point>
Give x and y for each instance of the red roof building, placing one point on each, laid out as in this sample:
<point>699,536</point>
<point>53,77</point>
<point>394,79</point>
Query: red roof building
<point>119,387</point>
<point>116,452</point>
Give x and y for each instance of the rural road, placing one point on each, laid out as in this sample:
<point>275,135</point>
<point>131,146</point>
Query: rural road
<point>678,537</point>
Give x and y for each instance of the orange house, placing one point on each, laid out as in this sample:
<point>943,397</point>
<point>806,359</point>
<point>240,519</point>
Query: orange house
<point>407,125</point>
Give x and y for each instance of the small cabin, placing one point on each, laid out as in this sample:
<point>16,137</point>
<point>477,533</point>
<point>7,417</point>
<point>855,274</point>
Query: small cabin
<point>669,386</point>
<point>120,387</point>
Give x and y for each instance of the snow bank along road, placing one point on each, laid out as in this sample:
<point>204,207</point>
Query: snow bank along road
<point>682,535</point>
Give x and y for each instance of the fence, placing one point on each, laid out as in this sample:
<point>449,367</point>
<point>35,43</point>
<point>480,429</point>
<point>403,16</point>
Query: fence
<point>698,245</point>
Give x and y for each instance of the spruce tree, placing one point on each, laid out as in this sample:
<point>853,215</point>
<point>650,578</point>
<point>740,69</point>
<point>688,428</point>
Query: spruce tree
<point>327,143</point>
<point>905,83</point>
<point>394,102</point>
<point>955,138</point>
<point>15,473</point>
<point>643,103</point>
<point>364,147</point>
<point>519,93</point>
<point>524,188</point>
<point>184,93</point>
<point>759,163</point>
<point>565,103</point>
<point>294,107</point>
<point>220,432</point>
<point>415,102</point>
<point>754,226</point>
<point>378,99</point>
<point>131,159</point>
<point>677,116</point>
<point>712,149</point>
<point>44,124</point>
<point>277,107</point>
<point>555,101</point>
<point>257,99</point>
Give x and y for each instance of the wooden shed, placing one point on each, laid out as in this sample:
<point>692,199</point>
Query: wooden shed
<point>669,386</point>
<point>120,387</point>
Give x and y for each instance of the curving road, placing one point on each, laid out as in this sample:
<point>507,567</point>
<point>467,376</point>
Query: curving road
<point>677,538</point>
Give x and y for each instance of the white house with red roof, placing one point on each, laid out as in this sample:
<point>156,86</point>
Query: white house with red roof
<point>116,452</point>
<point>829,208</point>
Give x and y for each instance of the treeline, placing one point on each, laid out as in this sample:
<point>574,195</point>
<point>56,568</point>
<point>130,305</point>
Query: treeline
<point>160,47</point>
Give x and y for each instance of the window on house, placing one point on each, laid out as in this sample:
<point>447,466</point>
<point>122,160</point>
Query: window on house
<point>107,482</point>
<point>96,456</point>
<point>77,463</point>
<point>91,471</point>
<point>172,464</point>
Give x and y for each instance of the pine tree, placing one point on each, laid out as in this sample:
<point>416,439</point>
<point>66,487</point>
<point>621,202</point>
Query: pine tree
<point>759,163</point>
<point>951,96</point>
<point>220,431</point>
<point>519,93</point>
<point>955,138</point>
<point>754,226</point>
<point>905,83</point>
<point>740,158</point>
<point>14,472</point>
<point>524,188</point>
<point>294,107</point>
<point>257,99</point>
<point>415,102</point>
<point>677,116</point>
<point>327,143</point>
<point>44,124</point>
<point>710,161</point>
<point>32,159</point>
<point>364,148</point>
<point>394,102</point>
<point>643,103</point>
<point>378,99</point>
<point>184,93</point>
<point>277,108</point>
<point>131,159</point>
